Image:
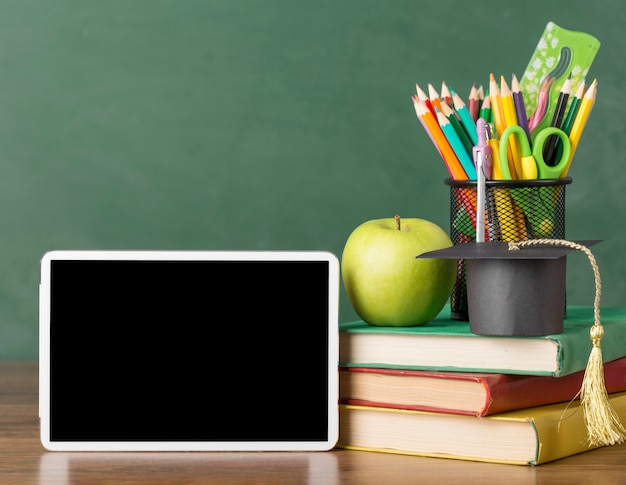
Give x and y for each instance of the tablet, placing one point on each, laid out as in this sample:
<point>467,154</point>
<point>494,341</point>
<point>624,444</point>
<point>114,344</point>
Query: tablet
<point>188,350</point>
<point>311,468</point>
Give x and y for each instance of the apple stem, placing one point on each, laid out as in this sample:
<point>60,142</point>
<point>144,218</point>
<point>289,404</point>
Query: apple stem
<point>397,217</point>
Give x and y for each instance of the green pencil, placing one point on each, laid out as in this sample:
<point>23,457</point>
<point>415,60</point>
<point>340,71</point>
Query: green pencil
<point>463,135</point>
<point>573,108</point>
<point>485,109</point>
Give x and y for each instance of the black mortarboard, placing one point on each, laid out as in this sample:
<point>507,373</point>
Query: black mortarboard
<point>513,292</point>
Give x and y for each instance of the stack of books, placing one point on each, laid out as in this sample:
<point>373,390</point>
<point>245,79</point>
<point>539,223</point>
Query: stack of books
<point>439,390</point>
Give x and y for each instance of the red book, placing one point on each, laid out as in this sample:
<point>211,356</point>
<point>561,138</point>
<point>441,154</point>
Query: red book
<point>466,393</point>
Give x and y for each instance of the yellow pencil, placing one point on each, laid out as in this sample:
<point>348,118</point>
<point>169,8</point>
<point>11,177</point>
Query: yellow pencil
<point>496,105</point>
<point>506,215</point>
<point>510,119</point>
<point>498,119</point>
<point>579,122</point>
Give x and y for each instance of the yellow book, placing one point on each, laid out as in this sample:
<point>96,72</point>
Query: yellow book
<point>529,436</point>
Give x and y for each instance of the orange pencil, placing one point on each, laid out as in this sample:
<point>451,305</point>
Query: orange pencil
<point>433,95</point>
<point>416,102</point>
<point>455,169</point>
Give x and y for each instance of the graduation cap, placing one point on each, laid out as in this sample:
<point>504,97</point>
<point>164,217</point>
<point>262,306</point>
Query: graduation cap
<point>524,282</point>
<point>513,292</point>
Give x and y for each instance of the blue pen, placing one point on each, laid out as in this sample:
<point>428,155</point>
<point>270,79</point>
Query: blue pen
<point>457,145</point>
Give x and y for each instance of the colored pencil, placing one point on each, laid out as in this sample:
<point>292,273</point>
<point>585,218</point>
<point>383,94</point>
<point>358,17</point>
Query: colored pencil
<point>574,104</point>
<point>510,119</point>
<point>581,120</point>
<point>439,139</point>
<point>485,110</point>
<point>508,219</point>
<point>463,135</point>
<point>551,145</point>
<point>520,106</point>
<point>473,103</point>
<point>433,95</point>
<point>457,146</point>
<point>466,118</point>
<point>445,97</point>
<point>416,101</point>
<point>496,170</point>
<point>496,105</point>
<point>422,96</point>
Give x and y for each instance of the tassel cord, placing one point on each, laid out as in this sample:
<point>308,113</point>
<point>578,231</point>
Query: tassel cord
<point>602,422</point>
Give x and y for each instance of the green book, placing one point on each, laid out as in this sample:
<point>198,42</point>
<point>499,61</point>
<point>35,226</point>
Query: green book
<point>446,344</point>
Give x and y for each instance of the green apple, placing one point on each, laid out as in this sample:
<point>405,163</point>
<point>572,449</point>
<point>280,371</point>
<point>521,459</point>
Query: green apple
<point>385,281</point>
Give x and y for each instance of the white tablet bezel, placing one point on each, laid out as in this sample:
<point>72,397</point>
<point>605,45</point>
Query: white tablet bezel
<point>151,255</point>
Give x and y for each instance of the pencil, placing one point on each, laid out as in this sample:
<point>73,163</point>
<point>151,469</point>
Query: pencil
<point>433,95</point>
<point>416,101</point>
<point>452,117</point>
<point>506,215</point>
<point>520,106</point>
<point>552,142</point>
<point>574,104</point>
<point>496,170</point>
<point>581,120</point>
<point>457,146</point>
<point>485,110</point>
<point>473,103</point>
<point>466,118</point>
<point>510,119</point>
<point>445,97</point>
<point>496,105</point>
<point>422,96</point>
<point>511,221</point>
<point>441,143</point>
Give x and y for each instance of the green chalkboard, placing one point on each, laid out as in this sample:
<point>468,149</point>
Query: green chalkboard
<point>274,124</point>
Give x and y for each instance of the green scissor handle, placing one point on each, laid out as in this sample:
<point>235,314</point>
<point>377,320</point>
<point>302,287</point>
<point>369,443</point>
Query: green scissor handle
<point>533,164</point>
<point>544,170</point>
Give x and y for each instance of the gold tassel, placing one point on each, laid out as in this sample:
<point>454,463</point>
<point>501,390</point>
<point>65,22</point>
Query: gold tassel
<point>602,422</point>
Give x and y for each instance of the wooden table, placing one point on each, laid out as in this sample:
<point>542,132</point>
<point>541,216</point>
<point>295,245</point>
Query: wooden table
<point>23,460</point>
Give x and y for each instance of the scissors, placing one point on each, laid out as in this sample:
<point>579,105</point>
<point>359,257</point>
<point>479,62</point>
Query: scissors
<point>533,165</point>
<point>538,205</point>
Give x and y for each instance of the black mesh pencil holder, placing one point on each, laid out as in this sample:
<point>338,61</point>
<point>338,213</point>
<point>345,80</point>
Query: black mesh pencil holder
<point>515,210</point>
